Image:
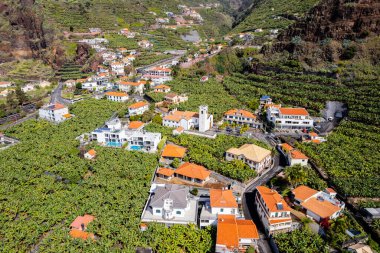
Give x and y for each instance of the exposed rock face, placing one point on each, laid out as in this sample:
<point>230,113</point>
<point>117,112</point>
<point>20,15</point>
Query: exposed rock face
<point>338,20</point>
<point>23,36</point>
<point>322,34</point>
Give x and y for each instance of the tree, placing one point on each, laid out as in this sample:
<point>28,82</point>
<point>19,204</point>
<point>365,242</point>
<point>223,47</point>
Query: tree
<point>78,86</point>
<point>254,104</point>
<point>176,162</point>
<point>157,119</point>
<point>376,224</point>
<point>147,116</point>
<point>296,175</point>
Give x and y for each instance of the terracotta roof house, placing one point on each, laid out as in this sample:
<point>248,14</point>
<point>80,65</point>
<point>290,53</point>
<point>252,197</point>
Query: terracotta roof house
<point>79,226</point>
<point>54,112</point>
<point>289,118</point>
<point>172,151</point>
<point>162,88</point>
<point>256,157</point>
<point>221,202</point>
<point>193,173</point>
<point>293,156</point>
<point>241,117</point>
<point>91,154</point>
<point>138,108</point>
<point>136,125</point>
<point>273,211</point>
<point>117,96</point>
<point>235,235</point>
<point>320,205</point>
<point>165,173</point>
<point>179,130</point>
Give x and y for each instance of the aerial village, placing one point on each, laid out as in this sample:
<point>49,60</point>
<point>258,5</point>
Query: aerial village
<point>184,192</point>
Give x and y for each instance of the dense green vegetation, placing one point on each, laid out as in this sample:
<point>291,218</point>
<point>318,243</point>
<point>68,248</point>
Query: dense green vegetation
<point>274,14</point>
<point>304,175</point>
<point>23,70</point>
<point>146,58</point>
<point>300,241</point>
<point>45,185</point>
<point>210,152</point>
<point>349,158</point>
<point>70,71</point>
<point>211,93</point>
<point>116,40</point>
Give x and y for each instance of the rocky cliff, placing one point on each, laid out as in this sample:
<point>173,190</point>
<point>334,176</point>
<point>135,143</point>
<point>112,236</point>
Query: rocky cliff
<point>338,20</point>
<point>332,30</point>
<point>22,34</point>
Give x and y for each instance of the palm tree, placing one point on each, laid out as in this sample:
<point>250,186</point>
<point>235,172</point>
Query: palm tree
<point>296,175</point>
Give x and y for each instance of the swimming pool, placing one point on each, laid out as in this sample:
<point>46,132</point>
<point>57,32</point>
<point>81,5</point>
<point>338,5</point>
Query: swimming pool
<point>135,148</point>
<point>113,144</point>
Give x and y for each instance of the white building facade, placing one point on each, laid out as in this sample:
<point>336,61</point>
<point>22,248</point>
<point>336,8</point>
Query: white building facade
<point>289,118</point>
<point>54,112</point>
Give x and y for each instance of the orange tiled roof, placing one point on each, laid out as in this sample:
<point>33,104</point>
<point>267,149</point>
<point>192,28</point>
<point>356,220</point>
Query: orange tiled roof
<point>132,83</point>
<point>230,230</point>
<point>179,129</point>
<point>296,154</point>
<point>138,105</point>
<point>244,113</point>
<point>178,115</point>
<point>330,190</point>
<point>323,209</point>
<point>135,124</point>
<point>160,69</point>
<point>67,115</point>
<point>116,94</point>
<point>165,171</point>
<point>85,219</point>
<point>247,229</point>
<point>303,192</point>
<point>193,171</point>
<point>286,147</point>
<point>316,141</point>
<point>222,198</point>
<point>162,86</point>
<point>294,111</point>
<point>172,150</point>
<point>271,198</point>
<point>314,134</point>
<point>278,106</point>
<point>79,234</point>
<point>275,221</point>
<point>92,152</point>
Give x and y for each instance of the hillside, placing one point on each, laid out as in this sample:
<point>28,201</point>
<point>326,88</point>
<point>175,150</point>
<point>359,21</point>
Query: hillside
<point>332,31</point>
<point>272,14</point>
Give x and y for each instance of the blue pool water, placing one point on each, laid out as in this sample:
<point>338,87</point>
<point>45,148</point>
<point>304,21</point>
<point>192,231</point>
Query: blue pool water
<point>135,148</point>
<point>113,144</point>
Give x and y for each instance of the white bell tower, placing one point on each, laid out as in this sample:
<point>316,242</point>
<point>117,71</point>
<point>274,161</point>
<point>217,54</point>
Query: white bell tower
<point>205,120</point>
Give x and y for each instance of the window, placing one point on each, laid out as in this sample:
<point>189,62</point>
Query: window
<point>221,210</point>
<point>158,211</point>
<point>178,212</point>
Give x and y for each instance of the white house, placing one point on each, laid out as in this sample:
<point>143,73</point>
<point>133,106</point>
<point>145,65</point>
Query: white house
<point>256,157</point>
<point>145,44</point>
<point>175,98</point>
<point>273,210</point>
<point>289,118</point>
<point>118,68</point>
<point>235,235</point>
<point>91,154</point>
<point>171,204</point>
<point>5,84</point>
<point>319,205</point>
<point>114,134</point>
<point>138,108</point>
<point>241,117</point>
<point>158,75</point>
<point>54,112</point>
<point>117,96</point>
<point>136,87</point>
<point>162,88</point>
<point>70,83</point>
<point>188,120</point>
<point>91,86</point>
<point>28,87</point>
<point>221,202</point>
<point>293,155</point>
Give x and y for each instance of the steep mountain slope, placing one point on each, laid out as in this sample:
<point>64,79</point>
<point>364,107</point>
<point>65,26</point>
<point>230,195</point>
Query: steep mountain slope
<point>272,14</point>
<point>334,30</point>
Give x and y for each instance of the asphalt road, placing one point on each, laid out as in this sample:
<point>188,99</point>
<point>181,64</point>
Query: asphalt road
<point>29,116</point>
<point>56,95</point>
